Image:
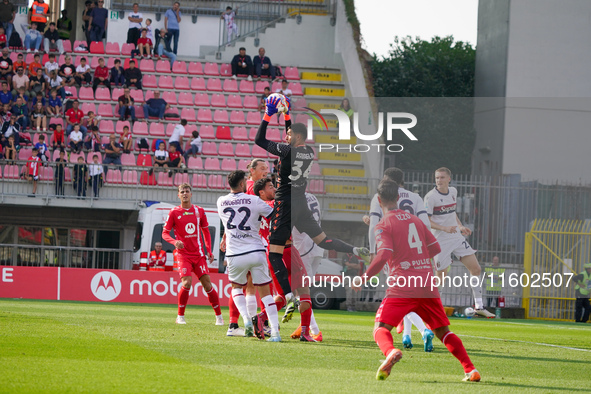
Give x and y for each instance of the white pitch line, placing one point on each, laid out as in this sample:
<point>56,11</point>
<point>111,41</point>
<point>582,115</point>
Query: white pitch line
<point>531,343</point>
<point>548,325</point>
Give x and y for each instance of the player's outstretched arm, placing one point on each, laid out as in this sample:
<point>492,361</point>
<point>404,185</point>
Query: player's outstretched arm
<point>378,262</point>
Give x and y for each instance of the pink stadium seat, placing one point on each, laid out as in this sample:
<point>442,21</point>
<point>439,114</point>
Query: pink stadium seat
<point>24,154</point>
<point>302,118</point>
<point>172,110</point>
<point>111,62</point>
<point>46,173</point>
<point>195,68</point>
<point>11,172</point>
<point>140,128</point>
<point>163,66</point>
<point>14,56</point>
<point>211,69</point>
<point>246,86</point>
<point>226,149</point>
<point>126,49</point>
<point>97,47</point>
<point>102,93</point>
<point>157,130</point>
<point>86,94</point>
<point>144,160</point>
<point>105,139</point>
<point>148,95</point>
<point>77,43</point>
<point>147,66</point>
<point>234,101</point>
<point>212,164</point>
<point>67,175</point>
<point>198,84</point>
<point>195,163</point>
<point>299,103</point>
<point>179,67</point>
<point>127,159</point>
<point>260,88</point>
<point>114,176</point>
<point>214,85</point>
<point>116,93</point>
<point>315,170</point>
<point>185,98</point>
<point>237,117</point>
<point>181,83</point>
<point>130,177</point>
<point>239,134</point>
<point>78,59</point>
<point>252,133</point>
<point>230,85</point>
<point>251,102</point>
<point>61,59</point>
<point>106,126</point>
<point>188,114</point>
<point>243,164</point>
<point>169,97</point>
<point>210,148</point>
<point>296,88</point>
<point>228,165</point>
<point>206,131</point>
<point>257,151</point>
<point>220,116</point>
<point>275,87</point>
<point>170,128</point>
<point>223,133</point>
<point>85,107</point>
<point>127,61</point>
<point>204,115</point>
<point>147,179</point>
<point>149,81</point>
<point>292,73</point>
<point>36,138</point>
<point>202,99</point>
<point>74,157</point>
<point>274,135</point>
<point>120,125</point>
<point>165,82</point>
<point>111,49</point>
<point>94,61</point>
<point>179,179</point>
<point>139,111</point>
<point>199,181</point>
<point>138,95</point>
<point>164,179</point>
<point>67,47</point>
<point>253,118</point>
<point>73,90</point>
<point>105,110</point>
<point>218,100</point>
<point>215,182</point>
<point>243,150</point>
<point>226,70</point>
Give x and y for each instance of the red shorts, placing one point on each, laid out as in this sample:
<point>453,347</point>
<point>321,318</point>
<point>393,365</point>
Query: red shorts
<point>393,310</point>
<point>198,265</point>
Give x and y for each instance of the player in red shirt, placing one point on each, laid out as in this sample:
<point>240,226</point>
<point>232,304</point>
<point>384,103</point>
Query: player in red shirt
<point>190,224</point>
<point>258,169</point>
<point>33,170</point>
<point>144,44</point>
<point>157,258</point>
<point>406,244</point>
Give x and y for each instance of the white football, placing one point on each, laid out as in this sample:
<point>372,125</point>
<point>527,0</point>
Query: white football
<point>282,105</point>
<point>469,311</point>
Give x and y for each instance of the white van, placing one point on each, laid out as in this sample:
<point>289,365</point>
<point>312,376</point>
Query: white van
<point>151,221</point>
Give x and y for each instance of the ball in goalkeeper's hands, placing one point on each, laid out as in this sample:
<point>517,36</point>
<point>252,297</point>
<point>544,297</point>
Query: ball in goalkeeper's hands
<point>276,102</point>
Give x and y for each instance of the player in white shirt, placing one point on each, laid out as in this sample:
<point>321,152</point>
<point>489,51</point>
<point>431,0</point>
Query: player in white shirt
<point>413,204</point>
<point>448,229</point>
<point>240,213</point>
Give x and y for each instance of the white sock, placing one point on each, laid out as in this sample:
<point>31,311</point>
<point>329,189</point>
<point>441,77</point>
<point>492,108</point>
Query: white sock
<point>240,303</point>
<point>417,321</point>
<point>288,298</point>
<point>272,315</point>
<point>477,292</point>
<point>313,326</point>
<point>407,326</point>
<point>251,304</point>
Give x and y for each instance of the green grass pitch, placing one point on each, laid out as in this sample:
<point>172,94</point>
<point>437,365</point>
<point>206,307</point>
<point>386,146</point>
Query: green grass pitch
<point>93,347</point>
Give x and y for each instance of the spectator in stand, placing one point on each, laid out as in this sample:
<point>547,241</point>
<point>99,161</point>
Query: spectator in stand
<point>10,150</point>
<point>263,65</point>
<point>64,26</point>
<point>242,64</point>
<point>196,146</point>
<point>163,46</point>
<point>160,156</point>
<point>157,257</point>
<point>155,106</point>
<point>284,90</point>
<point>38,13</point>
<point>86,19</point>
<point>6,95</point>
<point>175,160</point>
<point>76,138</point>
<point>93,139</point>
<point>68,71</point>
<point>52,40</point>
<point>51,65</point>
<point>346,108</point>
<point>99,20</point>
<point>20,79</point>
<point>21,111</point>
<point>172,20</point>
<point>126,107</point>
<point>7,14</point>
<point>12,129</point>
<point>39,116</point>
<point>35,65</point>
<point>31,171</point>
<point>145,45</point>
<point>101,75</point>
<point>135,19</point>
<point>37,83</point>
<point>230,18</point>
<point>133,76</point>
<point>59,174</point>
<point>54,105</point>
<point>263,101</point>
<point>59,140</point>
<point>83,73</point>
<point>148,27</point>
<point>126,140</point>
<point>74,117</point>
<point>117,77</point>
<point>22,94</point>
<point>176,138</point>
<point>3,41</point>
<point>112,152</point>
<point>80,178</point>
<point>6,67</point>
<point>95,172</point>
<point>56,82</point>
<point>20,62</point>
<point>92,120</point>
<point>42,148</point>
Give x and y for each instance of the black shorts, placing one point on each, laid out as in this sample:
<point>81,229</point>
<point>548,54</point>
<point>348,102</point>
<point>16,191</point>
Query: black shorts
<point>285,217</point>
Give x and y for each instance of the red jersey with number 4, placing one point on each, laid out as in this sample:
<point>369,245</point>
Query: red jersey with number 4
<point>188,225</point>
<point>33,165</point>
<point>408,245</point>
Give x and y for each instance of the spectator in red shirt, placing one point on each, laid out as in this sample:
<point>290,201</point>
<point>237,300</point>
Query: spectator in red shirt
<point>31,172</point>
<point>58,138</point>
<point>74,116</point>
<point>101,75</point>
<point>144,44</point>
<point>175,159</point>
<point>36,65</point>
<point>19,62</point>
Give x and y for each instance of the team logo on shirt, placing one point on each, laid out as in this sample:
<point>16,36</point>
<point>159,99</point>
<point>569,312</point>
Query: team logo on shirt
<point>190,228</point>
<point>405,265</point>
<point>105,286</point>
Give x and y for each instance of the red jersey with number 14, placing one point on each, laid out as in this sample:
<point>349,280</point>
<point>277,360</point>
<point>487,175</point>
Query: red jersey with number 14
<point>188,225</point>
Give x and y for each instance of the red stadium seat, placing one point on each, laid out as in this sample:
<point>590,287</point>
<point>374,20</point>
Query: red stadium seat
<point>195,68</point>
<point>243,150</point>
<point>111,62</point>
<point>114,176</point>
<point>147,179</point>
<point>226,149</point>
<point>215,182</point>
<point>185,98</point>
<point>86,93</point>
<point>169,97</point>
<point>230,85</point>
<point>172,110</point>
<point>157,130</point>
<point>148,95</point>
<point>78,59</point>
<point>296,88</point>
<point>138,95</point>
<point>234,101</point>
<point>275,87</point>
<point>170,128</point>
<point>67,47</point>
<point>226,70</point>
<point>204,115</point>
<point>106,126</point>
<point>188,114</point>
<point>94,61</point>
<point>243,164</point>
<point>211,69</point>
<point>111,49</point>
<point>223,133</point>
<point>239,134</point>
<point>74,157</point>
<point>126,49</point>
<point>11,172</point>
<point>220,116</point>
<point>120,125</point>
<point>127,159</point>
<point>179,179</point>
<point>195,163</point>
<point>260,88</point>
<point>257,151</point>
<point>165,82</point>
<point>85,107</point>
<point>210,148</point>
<point>36,138</point>
<point>274,135</point>
<point>206,131</point>
<point>252,133</point>
<point>164,179</point>
<point>214,85</point>
<point>181,83</point>
<point>46,173</point>
<point>105,110</point>
<point>149,81</point>
<point>211,164</point>
<point>140,128</point>
<point>163,66</point>
<point>198,84</point>
<point>130,177</point>
<point>147,66</point>
<point>228,165</point>
<point>102,93</point>
<point>202,99</point>
<point>199,181</point>
<point>251,102</point>
<point>253,118</point>
<point>179,67</point>
<point>24,154</point>
<point>73,90</point>
<point>237,117</point>
<point>78,43</point>
<point>292,73</point>
<point>246,86</point>
<point>116,93</point>
<point>144,160</point>
<point>218,100</point>
<point>97,47</point>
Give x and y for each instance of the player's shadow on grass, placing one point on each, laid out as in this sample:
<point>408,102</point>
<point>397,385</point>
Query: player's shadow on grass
<point>512,357</point>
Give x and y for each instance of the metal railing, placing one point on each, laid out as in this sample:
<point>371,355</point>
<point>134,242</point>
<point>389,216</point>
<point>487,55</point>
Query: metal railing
<point>62,256</point>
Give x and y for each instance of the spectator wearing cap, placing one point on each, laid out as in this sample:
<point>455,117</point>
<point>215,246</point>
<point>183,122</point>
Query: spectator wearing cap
<point>52,40</point>
<point>135,19</point>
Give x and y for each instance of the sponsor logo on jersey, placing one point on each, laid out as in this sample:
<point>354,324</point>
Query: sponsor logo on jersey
<point>405,265</point>
<point>187,213</point>
<point>105,286</point>
<point>190,228</point>
<point>444,209</point>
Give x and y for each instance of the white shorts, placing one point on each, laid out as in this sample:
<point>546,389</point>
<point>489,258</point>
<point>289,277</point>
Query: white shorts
<point>311,262</point>
<point>456,245</point>
<point>255,263</point>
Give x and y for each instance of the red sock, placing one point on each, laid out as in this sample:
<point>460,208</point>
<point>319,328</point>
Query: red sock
<point>214,300</point>
<point>183,298</point>
<point>281,303</point>
<point>234,314</point>
<point>306,315</point>
<point>383,338</point>
<point>456,347</point>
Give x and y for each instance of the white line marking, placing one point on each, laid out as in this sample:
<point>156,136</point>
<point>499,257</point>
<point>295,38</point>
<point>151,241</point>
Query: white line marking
<point>532,343</point>
<point>59,277</point>
<point>562,327</point>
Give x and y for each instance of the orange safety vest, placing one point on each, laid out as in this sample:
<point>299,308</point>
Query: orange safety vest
<point>157,261</point>
<point>39,12</point>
